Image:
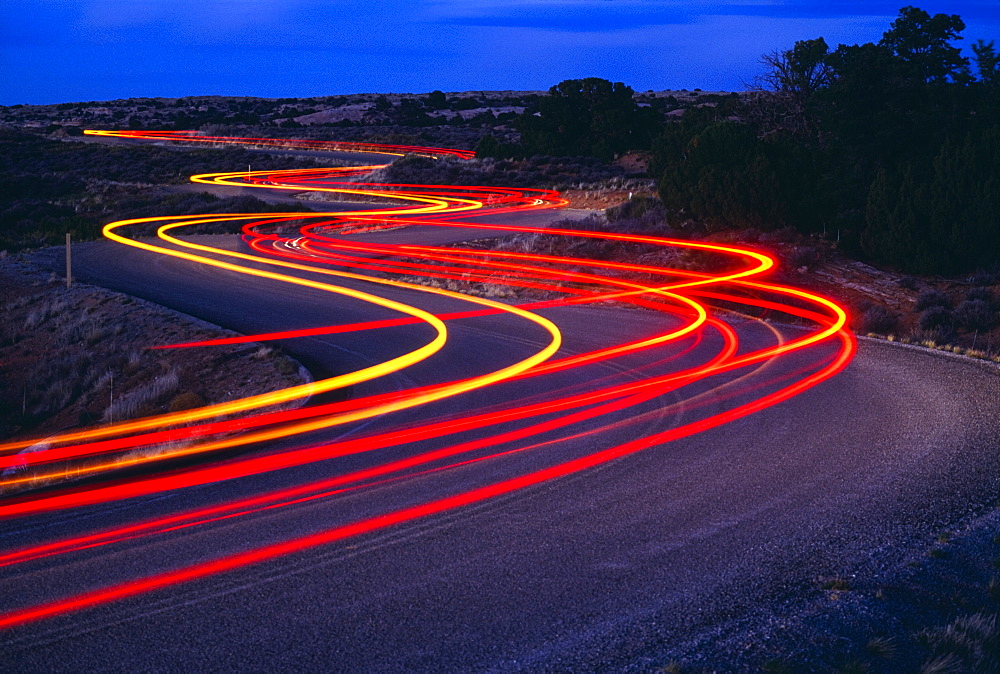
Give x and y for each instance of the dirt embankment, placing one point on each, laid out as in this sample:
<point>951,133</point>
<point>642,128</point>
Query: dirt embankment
<point>81,356</point>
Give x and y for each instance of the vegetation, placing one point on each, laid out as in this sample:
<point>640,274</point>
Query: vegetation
<point>50,187</point>
<point>559,172</point>
<point>589,117</point>
<point>78,357</point>
<point>890,146</point>
<point>893,145</point>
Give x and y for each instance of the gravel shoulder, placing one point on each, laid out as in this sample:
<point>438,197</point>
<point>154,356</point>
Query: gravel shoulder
<point>911,581</point>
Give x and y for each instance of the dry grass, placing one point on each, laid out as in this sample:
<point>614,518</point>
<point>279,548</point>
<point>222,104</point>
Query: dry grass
<point>942,664</point>
<point>141,399</point>
<point>969,643</point>
<point>77,357</point>
<point>882,647</point>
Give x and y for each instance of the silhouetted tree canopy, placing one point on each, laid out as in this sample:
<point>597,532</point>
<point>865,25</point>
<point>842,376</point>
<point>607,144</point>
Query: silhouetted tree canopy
<point>895,144</point>
<point>922,44</point>
<point>588,117</point>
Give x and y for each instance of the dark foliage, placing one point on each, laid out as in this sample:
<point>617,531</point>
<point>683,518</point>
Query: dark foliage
<point>894,145</point>
<point>536,172</point>
<point>644,209</point>
<point>728,177</point>
<point>936,318</point>
<point>975,315</point>
<point>984,294</point>
<point>28,155</point>
<point>932,298</point>
<point>50,187</point>
<point>941,218</point>
<point>879,320</point>
<point>588,117</point>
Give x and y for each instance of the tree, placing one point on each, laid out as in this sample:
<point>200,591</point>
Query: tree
<point>987,63</point>
<point>799,71</point>
<point>881,106</point>
<point>728,177</point>
<point>892,144</point>
<point>780,102</point>
<point>436,100</point>
<point>489,146</point>
<point>591,117</point>
<point>923,43</point>
<point>940,218</point>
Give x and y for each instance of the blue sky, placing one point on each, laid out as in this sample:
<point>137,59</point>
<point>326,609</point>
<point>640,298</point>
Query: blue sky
<point>54,51</point>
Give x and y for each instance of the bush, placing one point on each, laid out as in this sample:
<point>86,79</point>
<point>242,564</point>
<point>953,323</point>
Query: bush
<point>140,400</point>
<point>638,208</point>
<point>971,643</point>
<point>287,366</point>
<point>984,294</point>
<point>186,401</point>
<point>932,298</point>
<point>880,320</point>
<point>985,278</point>
<point>936,317</point>
<point>975,315</point>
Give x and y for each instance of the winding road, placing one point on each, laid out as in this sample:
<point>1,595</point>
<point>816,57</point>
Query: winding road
<point>620,463</point>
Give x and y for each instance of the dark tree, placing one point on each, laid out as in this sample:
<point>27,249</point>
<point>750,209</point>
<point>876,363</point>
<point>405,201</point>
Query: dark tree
<point>782,97</point>
<point>987,63</point>
<point>942,218</point>
<point>588,117</point>
<point>923,43</point>
<point>436,100</point>
<point>800,71</point>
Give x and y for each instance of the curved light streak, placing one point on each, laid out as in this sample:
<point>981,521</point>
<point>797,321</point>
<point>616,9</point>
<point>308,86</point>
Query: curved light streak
<point>292,244</point>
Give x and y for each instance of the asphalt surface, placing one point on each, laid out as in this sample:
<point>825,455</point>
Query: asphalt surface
<point>618,567</point>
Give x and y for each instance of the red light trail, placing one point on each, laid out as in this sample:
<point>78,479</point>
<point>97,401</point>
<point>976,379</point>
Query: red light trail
<point>697,372</point>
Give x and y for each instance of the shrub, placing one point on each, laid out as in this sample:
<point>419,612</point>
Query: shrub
<point>648,210</point>
<point>975,315</point>
<point>984,294</point>
<point>186,401</point>
<point>137,401</point>
<point>972,642</point>
<point>935,317</point>
<point>880,320</point>
<point>287,366</point>
<point>836,584</point>
<point>942,664</point>
<point>882,647</point>
<point>932,298</point>
<point>993,589</point>
<point>985,278</point>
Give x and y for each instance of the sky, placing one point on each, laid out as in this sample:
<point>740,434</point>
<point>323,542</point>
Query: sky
<point>56,51</point>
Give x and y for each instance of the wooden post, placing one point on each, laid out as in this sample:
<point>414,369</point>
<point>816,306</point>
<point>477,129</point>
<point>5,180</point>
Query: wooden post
<point>69,262</point>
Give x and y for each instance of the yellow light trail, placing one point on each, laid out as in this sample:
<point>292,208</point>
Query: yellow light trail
<point>506,428</point>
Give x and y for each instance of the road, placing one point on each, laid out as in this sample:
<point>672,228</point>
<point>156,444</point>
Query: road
<point>615,566</point>
<point>601,569</point>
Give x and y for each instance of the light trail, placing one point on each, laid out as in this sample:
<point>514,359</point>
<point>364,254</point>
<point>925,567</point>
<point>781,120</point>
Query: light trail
<point>697,366</point>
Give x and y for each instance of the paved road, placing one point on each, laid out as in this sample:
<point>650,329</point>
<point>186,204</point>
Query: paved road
<point>611,568</point>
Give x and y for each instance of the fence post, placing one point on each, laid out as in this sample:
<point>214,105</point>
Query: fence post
<point>69,261</point>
